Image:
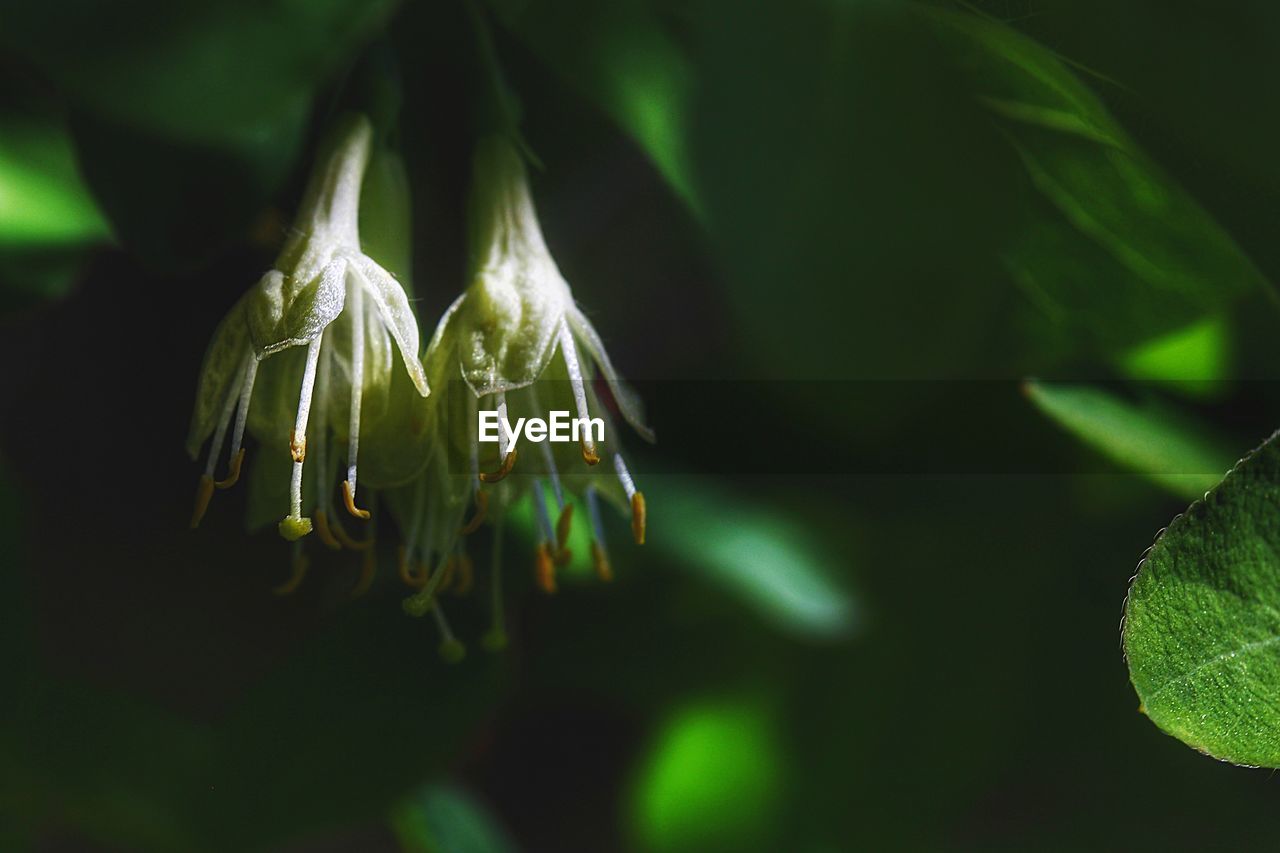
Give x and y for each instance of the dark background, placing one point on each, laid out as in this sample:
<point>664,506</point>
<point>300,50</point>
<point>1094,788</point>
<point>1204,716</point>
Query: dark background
<point>795,225</point>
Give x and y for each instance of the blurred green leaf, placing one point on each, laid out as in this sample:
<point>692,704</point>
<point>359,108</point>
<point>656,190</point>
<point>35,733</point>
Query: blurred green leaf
<point>446,819</point>
<point>1194,360</point>
<point>712,779</point>
<point>44,203</point>
<point>1156,441</point>
<point>1202,620</point>
<point>215,72</point>
<point>1120,252</point>
<point>756,554</point>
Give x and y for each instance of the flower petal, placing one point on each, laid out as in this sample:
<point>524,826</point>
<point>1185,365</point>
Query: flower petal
<point>629,403</point>
<point>222,360</point>
<point>284,313</point>
<point>396,313</point>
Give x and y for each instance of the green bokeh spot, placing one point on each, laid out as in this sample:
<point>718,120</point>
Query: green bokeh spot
<point>1190,359</point>
<point>711,780</point>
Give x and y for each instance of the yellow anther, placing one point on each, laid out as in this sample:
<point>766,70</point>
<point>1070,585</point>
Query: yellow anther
<point>292,529</point>
<point>465,576</point>
<point>637,517</point>
<point>545,569</point>
<point>349,498</point>
<point>204,493</point>
<point>322,530</point>
<point>233,473</point>
<point>297,446</point>
<point>368,567</point>
<point>482,511</point>
<point>589,454</point>
<point>564,525</point>
<point>562,557</point>
<point>340,533</point>
<point>604,571</point>
<point>411,576</point>
<point>495,476</point>
<point>299,572</point>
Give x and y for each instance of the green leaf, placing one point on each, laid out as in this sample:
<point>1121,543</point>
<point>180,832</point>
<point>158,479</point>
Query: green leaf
<point>1150,438</point>
<point>1195,360</point>
<point>44,203</point>
<point>755,553</point>
<point>216,72</point>
<point>711,780</point>
<point>1202,621</point>
<point>1115,247</point>
<point>446,819</point>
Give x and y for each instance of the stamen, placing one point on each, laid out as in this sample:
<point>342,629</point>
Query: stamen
<point>599,556</point>
<point>204,490</point>
<point>233,472</point>
<point>204,493</point>
<point>508,462</point>
<point>320,444</point>
<point>349,498</point>
<point>635,497</point>
<point>544,568</point>
<point>299,572</point>
<point>451,648</point>
<point>564,526</point>
<point>356,307</point>
<point>368,568</point>
<point>465,578</point>
<point>236,456</point>
<point>482,511</point>
<point>508,457</point>
<point>570,353</point>
<point>321,519</point>
<point>552,474</point>
<point>224,421</point>
<point>448,570</point>
<point>600,559</point>
<point>340,533</point>
<point>638,517</point>
<point>540,512</point>
<point>295,526</point>
<point>495,639</point>
<point>408,573</point>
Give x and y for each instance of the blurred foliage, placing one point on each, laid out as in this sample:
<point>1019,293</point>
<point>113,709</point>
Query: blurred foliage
<point>445,819</point>
<point>1144,435</point>
<point>712,780</point>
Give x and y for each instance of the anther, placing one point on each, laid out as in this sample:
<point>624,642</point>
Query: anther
<point>601,561</point>
<point>411,576</point>
<point>233,474</point>
<point>637,517</point>
<point>564,525</point>
<point>321,519</point>
<point>465,575</point>
<point>368,568</point>
<point>340,533</point>
<point>589,454</point>
<point>482,511</point>
<point>496,476</point>
<point>299,572</point>
<point>545,569</point>
<point>349,498</point>
<point>204,493</point>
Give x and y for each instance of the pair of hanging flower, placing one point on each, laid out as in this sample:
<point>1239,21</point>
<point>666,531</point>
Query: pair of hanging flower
<point>308,356</point>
